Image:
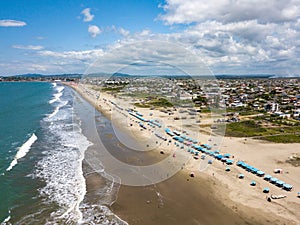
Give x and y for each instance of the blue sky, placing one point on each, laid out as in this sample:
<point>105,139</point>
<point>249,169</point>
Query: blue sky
<point>53,37</point>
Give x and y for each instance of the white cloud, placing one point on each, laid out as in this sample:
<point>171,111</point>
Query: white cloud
<point>28,47</point>
<point>188,11</point>
<point>11,23</point>
<point>247,35</point>
<point>75,55</point>
<point>94,30</point>
<point>123,32</point>
<point>88,17</point>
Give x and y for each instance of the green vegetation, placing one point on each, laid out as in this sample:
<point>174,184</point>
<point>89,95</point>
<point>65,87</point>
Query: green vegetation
<point>113,89</point>
<point>156,102</point>
<point>248,128</point>
<point>285,138</point>
<point>141,105</point>
<point>254,128</point>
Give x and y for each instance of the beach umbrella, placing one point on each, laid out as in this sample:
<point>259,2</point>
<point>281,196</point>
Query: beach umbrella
<point>210,161</point>
<point>217,151</point>
<point>298,194</point>
<point>266,190</point>
<point>227,168</point>
<point>241,176</point>
<point>253,183</point>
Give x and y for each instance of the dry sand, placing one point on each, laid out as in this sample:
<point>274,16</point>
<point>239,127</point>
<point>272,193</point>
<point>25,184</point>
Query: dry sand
<point>213,196</point>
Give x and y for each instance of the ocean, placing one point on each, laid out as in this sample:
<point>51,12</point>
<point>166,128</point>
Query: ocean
<point>42,148</point>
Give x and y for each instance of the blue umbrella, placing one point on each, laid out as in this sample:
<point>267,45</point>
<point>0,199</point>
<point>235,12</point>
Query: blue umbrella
<point>266,190</point>
<point>253,183</point>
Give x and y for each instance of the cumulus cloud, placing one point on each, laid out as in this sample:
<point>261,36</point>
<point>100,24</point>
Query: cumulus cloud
<point>189,11</point>
<point>88,17</point>
<point>28,47</point>
<point>94,30</point>
<point>258,34</point>
<point>12,23</point>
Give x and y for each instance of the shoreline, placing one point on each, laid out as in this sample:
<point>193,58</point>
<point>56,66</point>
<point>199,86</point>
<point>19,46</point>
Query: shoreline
<point>126,207</point>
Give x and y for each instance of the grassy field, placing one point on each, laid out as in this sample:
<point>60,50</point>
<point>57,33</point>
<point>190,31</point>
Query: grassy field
<point>285,138</point>
<point>251,128</point>
<point>154,102</point>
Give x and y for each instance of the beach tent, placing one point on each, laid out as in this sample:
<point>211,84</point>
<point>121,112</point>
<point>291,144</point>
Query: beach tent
<point>260,173</point>
<point>224,159</point>
<point>267,177</point>
<point>227,155</point>
<point>176,132</point>
<point>279,183</point>
<point>239,163</point>
<point>241,176</point>
<point>219,156</point>
<point>287,187</point>
<point>266,190</point>
<point>207,146</point>
<point>229,161</point>
<point>253,183</point>
<point>273,180</point>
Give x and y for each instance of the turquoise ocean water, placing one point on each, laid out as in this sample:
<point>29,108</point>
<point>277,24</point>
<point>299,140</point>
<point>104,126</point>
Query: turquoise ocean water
<point>42,149</point>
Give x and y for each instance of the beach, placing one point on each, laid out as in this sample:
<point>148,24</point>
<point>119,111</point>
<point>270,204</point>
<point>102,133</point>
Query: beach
<point>213,195</point>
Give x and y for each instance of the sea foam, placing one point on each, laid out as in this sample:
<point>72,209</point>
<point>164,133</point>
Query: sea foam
<point>23,150</point>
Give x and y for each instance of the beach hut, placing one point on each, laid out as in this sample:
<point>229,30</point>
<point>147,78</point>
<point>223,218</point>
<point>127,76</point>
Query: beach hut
<point>241,176</point>
<point>267,177</point>
<point>287,187</point>
<point>227,169</point>
<point>266,190</point>
<point>253,183</point>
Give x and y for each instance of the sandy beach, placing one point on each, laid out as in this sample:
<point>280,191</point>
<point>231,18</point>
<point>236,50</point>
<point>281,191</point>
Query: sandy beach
<point>213,195</point>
